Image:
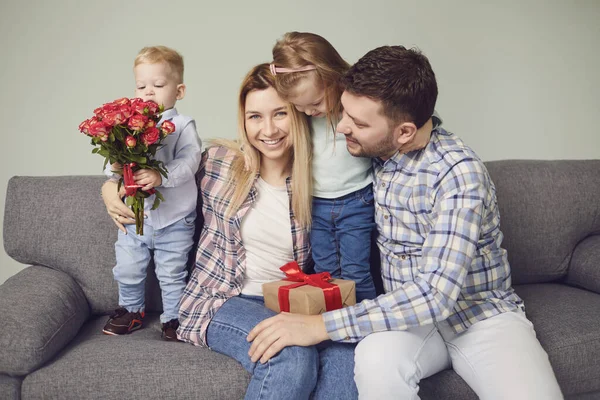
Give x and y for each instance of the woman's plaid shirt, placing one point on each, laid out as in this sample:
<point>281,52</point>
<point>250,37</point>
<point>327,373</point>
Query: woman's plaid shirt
<point>440,243</point>
<point>220,260</point>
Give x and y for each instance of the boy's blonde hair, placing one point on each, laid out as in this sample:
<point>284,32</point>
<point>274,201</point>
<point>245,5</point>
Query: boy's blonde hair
<point>242,178</point>
<point>299,49</point>
<point>157,54</point>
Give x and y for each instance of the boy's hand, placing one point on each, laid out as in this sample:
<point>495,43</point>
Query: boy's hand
<point>149,178</point>
<point>116,167</point>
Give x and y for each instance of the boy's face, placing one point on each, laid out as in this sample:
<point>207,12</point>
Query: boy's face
<point>157,82</point>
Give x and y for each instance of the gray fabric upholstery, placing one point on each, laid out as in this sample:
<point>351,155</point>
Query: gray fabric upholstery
<point>446,385</point>
<point>546,208</point>
<point>584,270</point>
<point>567,323</point>
<point>34,328</point>
<point>136,366</point>
<point>10,387</point>
<point>66,220</point>
<point>550,214</point>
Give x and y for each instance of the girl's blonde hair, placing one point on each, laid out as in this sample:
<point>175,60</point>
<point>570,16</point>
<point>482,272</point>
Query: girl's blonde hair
<point>242,179</point>
<point>157,54</point>
<point>299,49</point>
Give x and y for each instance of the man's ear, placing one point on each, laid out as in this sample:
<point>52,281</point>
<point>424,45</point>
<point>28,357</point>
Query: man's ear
<point>180,91</point>
<point>404,133</point>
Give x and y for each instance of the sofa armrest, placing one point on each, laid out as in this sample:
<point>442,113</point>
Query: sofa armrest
<point>42,311</point>
<point>584,268</point>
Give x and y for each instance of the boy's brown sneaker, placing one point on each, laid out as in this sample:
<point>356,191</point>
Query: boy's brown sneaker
<point>169,330</point>
<point>123,322</point>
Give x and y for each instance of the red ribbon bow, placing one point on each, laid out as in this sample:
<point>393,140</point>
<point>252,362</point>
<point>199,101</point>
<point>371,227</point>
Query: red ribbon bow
<point>130,186</point>
<point>292,271</point>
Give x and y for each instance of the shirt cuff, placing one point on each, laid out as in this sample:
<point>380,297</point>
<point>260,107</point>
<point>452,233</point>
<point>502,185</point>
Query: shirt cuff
<point>342,324</point>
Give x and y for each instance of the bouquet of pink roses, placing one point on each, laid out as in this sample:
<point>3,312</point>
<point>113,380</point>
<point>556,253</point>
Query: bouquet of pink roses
<point>125,132</point>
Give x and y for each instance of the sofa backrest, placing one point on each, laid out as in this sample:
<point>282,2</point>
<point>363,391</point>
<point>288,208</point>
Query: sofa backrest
<point>61,223</point>
<point>546,209</point>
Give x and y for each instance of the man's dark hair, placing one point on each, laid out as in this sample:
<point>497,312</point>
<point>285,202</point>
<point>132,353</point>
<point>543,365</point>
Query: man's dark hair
<point>402,79</point>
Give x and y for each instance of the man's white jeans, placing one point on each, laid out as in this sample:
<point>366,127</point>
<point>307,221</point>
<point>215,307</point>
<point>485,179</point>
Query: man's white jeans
<point>499,358</point>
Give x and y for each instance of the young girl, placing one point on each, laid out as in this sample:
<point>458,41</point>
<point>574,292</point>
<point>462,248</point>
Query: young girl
<point>308,72</point>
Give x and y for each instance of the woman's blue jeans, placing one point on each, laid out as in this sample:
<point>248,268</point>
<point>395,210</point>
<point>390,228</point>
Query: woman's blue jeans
<point>325,371</point>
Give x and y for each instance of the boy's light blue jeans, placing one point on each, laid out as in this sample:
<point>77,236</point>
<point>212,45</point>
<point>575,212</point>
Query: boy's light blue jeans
<point>325,371</point>
<point>340,238</point>
<point>171,246</point>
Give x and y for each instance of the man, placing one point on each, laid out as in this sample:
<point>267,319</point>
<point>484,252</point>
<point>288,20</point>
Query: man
<point>449,300</point>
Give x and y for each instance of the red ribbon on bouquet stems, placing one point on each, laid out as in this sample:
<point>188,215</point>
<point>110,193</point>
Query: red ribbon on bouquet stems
<point>293,273</point>
<point>130,186</point>
<point>131,189</point>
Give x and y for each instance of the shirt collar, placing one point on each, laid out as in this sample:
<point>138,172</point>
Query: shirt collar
<point>168,114</point>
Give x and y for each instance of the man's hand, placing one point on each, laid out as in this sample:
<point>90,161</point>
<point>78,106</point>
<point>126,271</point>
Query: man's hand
<point>150,178</point>
<point>274,334</point>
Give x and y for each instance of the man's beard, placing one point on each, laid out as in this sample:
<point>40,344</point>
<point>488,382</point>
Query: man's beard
<point>384,148</point>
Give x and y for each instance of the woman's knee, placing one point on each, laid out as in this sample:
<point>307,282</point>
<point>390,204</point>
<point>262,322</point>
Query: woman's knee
<point>299,365</point>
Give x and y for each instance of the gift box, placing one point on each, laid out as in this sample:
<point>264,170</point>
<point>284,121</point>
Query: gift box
<point>312,294</point>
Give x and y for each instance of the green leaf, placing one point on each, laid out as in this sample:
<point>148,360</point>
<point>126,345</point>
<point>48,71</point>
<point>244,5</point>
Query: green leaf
<point>159,195</point>
<point>130,201</point>
<point>156,202</point>
<point>95,150</point>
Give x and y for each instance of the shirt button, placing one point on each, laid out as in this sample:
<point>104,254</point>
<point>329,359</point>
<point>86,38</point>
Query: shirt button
<point>295,248</point>
<point>347,338</point>
<point>386,216</point>
<point>403,257</point>
<point>382,184</point>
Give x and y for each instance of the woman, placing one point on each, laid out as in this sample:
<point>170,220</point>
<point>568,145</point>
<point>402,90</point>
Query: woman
<point>253,225</point>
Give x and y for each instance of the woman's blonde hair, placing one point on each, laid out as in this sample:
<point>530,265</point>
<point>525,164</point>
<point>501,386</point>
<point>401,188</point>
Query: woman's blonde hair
<point>299,49</point>
<point>242,179</point>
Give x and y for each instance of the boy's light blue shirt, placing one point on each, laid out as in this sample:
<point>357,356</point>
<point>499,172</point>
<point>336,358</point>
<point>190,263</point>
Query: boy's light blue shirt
<point>181,152</point>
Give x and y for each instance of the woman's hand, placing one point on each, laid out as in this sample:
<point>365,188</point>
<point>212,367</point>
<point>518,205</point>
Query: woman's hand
<point>118,211</point>
<point>274,334</point>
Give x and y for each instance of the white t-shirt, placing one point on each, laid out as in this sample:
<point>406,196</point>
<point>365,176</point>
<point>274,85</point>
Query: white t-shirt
<point>267,237</point>
<point>336,172</point>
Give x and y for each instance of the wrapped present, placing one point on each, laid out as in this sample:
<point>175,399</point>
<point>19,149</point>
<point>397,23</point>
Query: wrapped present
<point>312,294</point>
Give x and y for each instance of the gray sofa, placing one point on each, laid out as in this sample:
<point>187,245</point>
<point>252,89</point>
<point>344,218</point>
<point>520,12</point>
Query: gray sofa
<point>52,312</point>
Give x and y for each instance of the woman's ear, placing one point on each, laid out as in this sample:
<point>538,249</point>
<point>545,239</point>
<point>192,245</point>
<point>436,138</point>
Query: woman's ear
<point>180,91</point>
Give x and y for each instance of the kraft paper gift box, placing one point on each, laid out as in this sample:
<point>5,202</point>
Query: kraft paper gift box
<point>306,299</point>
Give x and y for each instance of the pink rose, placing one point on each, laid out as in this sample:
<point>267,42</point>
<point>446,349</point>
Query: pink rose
<point>130,141</point>
<point>114,118</point>
<point>124,101</point>
<point>137,122</point>
<point>97,127</point>
<point>150,136</point>
<point>84,127</point>
<point>150,124</point>
<point>126,110</point>
<point>167,127</point>
<point>152,107</point>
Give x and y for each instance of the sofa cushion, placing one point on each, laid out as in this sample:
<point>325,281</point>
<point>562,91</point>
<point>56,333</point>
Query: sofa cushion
<point>34,327</point>
<point>136,366</point>
<point>10,387</point>
<point>61,222</point>
<point>584,269</point>
<point>567,323</point>
<point>546,209</point>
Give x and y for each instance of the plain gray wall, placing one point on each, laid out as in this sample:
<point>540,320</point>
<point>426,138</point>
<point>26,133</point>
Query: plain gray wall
<point>517,79</point>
